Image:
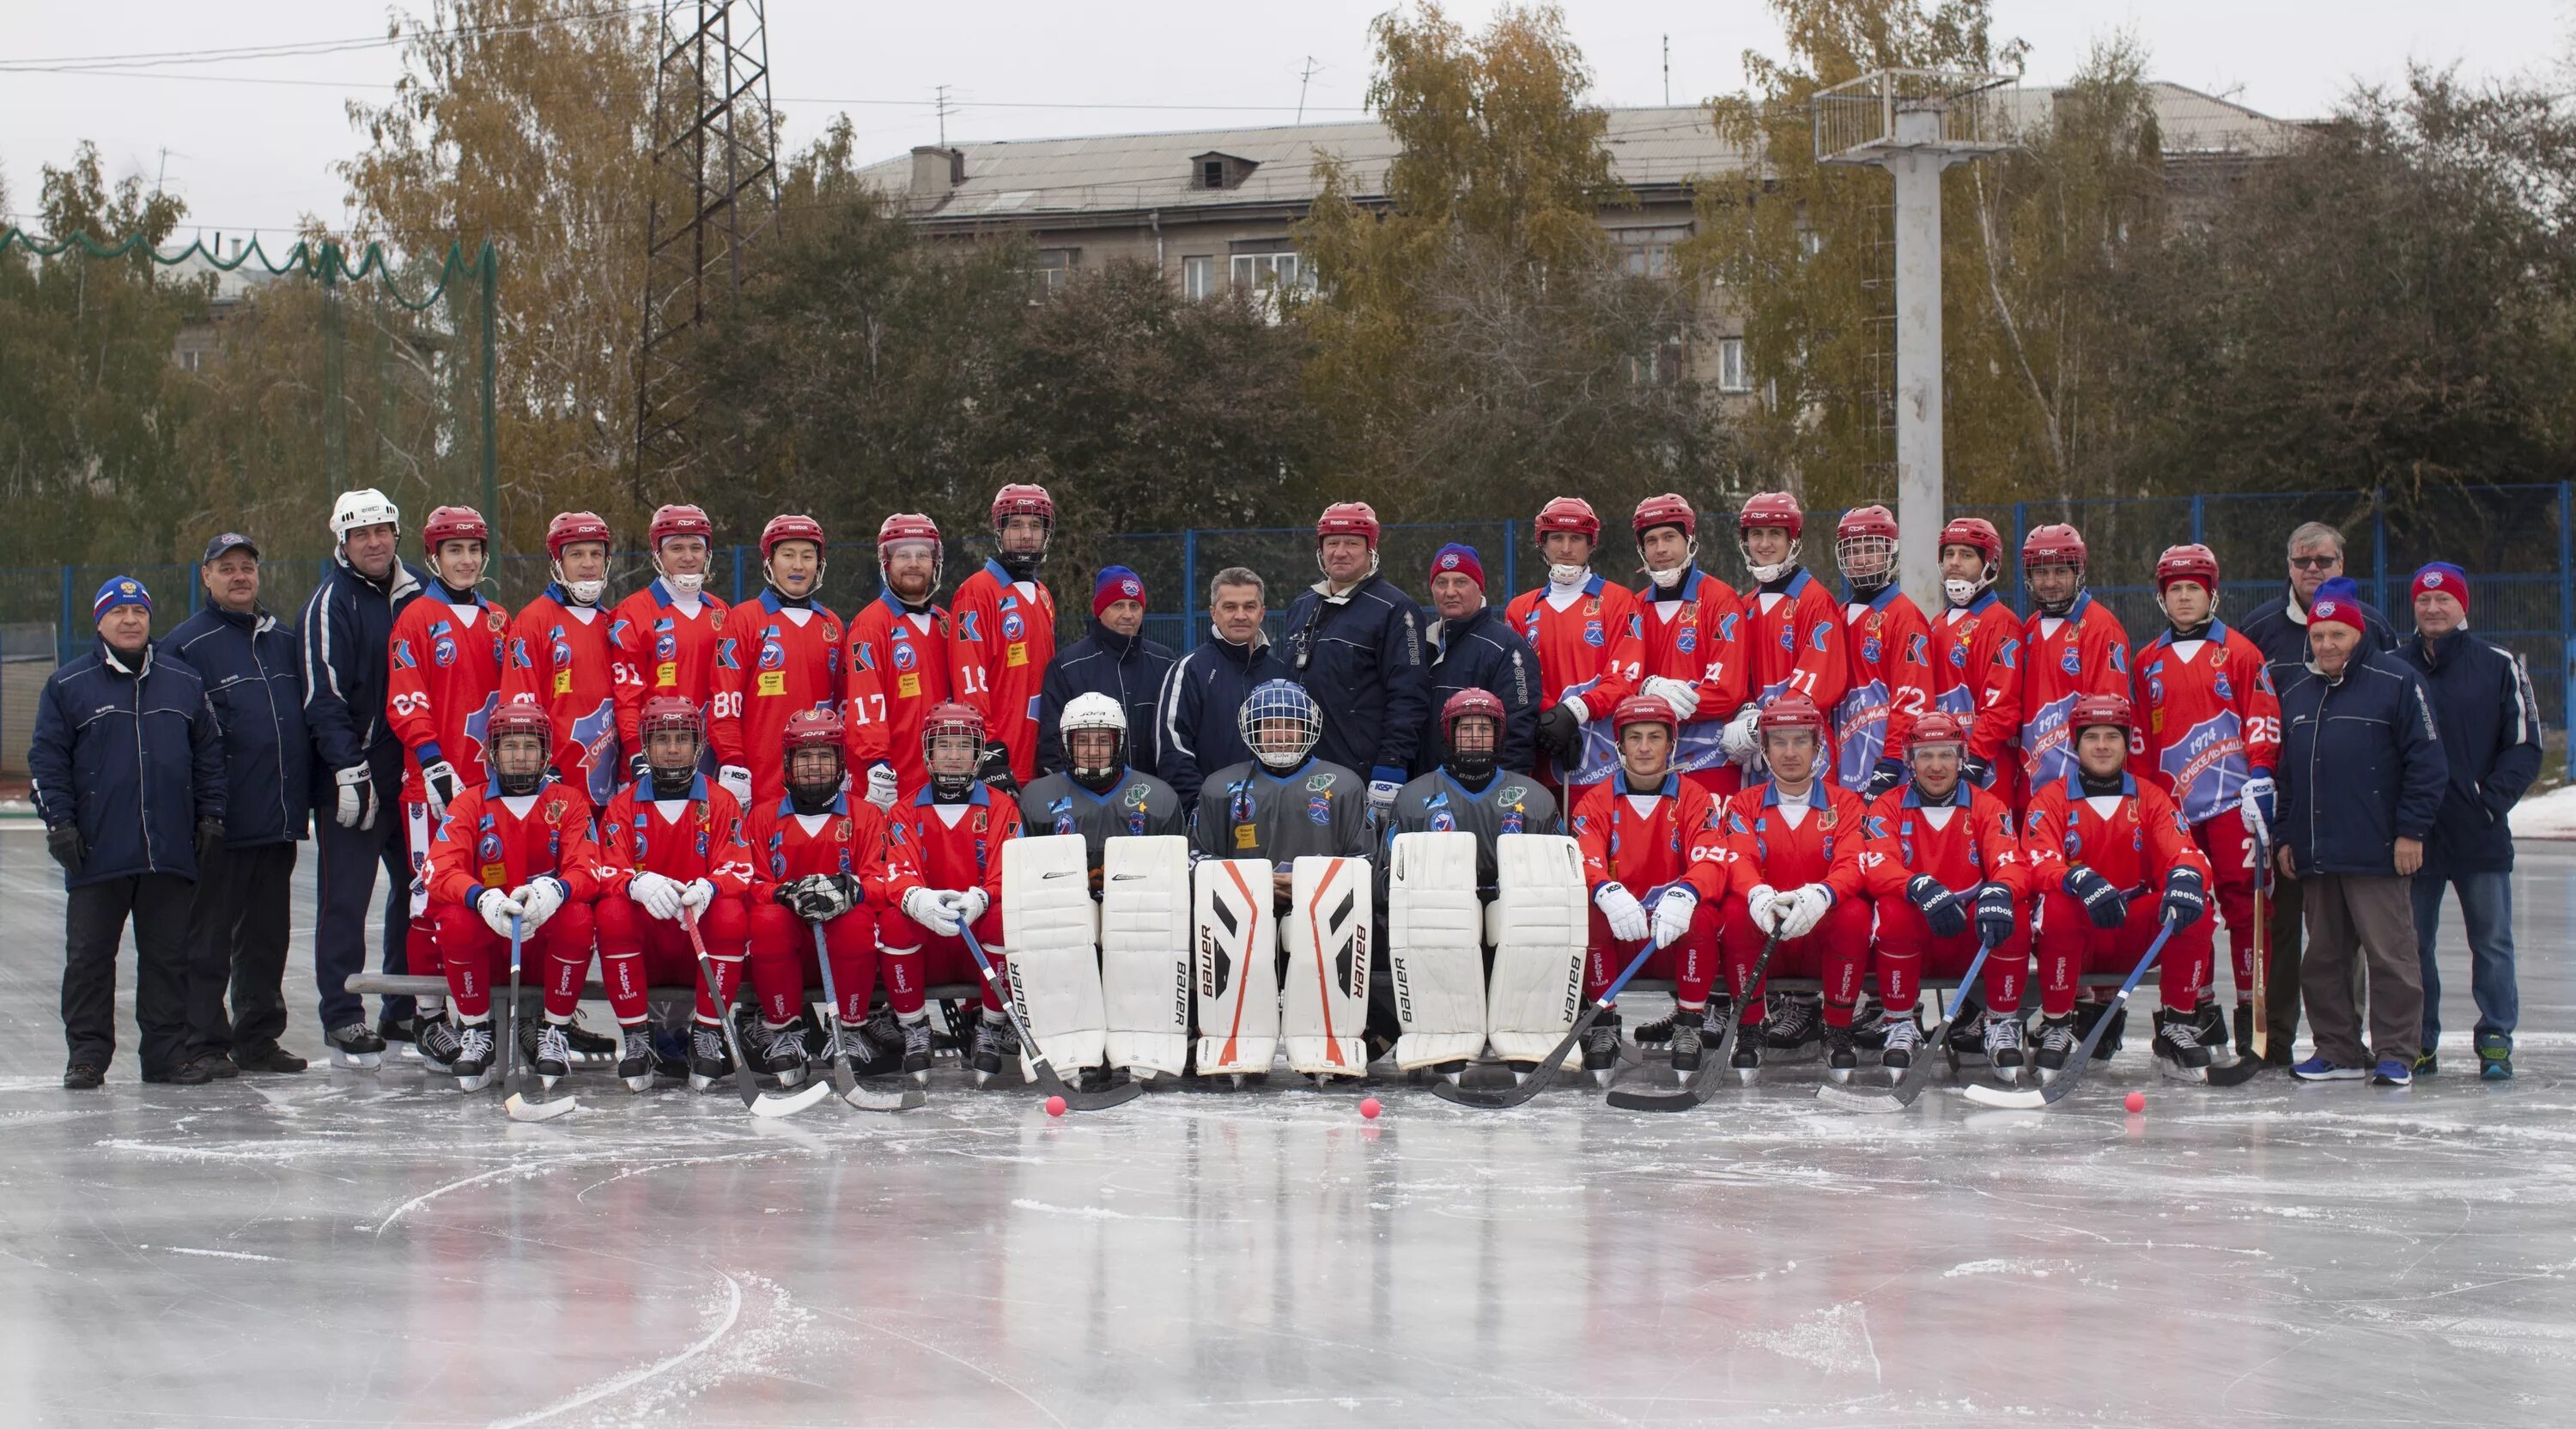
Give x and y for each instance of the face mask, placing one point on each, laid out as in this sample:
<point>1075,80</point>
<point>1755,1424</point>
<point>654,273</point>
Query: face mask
<point>1471,764</point>
<point>1666,580</point>
<point>585,592</point>
<point>1568,575</point>
<point>684,586</point>
<point>1959,592</point>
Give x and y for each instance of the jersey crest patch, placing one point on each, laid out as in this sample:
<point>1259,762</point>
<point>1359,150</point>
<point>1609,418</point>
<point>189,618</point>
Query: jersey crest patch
<point>2069,661</point>
<point>904,658</point>
<point>1318,783</point>
<point>1592,634</point>
<point>1319,809</point>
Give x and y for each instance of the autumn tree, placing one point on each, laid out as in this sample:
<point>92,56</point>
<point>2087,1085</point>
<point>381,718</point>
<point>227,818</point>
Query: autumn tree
<point>1476,346</point>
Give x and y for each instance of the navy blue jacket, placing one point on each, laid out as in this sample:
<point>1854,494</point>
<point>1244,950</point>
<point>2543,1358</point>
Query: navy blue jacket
<point>1360,656</point>
<point>2490,740</point>
<point>2283,638</point>
<point>1126,668</point>
<point>1482,652</point>
<point>2361,766</point>
<point>250,667</point>
<point>343,634</point>
<point>133,757</point>
<point>1201,699</point>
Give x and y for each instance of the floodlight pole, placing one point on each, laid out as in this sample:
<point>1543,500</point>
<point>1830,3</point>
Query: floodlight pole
<point>1914,165</point>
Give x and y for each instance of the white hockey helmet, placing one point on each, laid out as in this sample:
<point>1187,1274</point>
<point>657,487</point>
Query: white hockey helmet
<point>358,509</point>
<point>1095,711</point>
<point>1283,711</point>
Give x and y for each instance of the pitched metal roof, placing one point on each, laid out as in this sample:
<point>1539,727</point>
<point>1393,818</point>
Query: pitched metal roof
<point>1650,147</point>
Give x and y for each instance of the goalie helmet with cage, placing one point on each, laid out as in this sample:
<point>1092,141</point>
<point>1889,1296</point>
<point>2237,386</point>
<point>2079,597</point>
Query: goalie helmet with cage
<point>821,729</point>
<point>1091,712</point>
<point>952,740</point>
<point>1865,547</point>
<point>1022,498</point>
<point>1279,723</point>
<point>521,739</point>
<point>1467,704</point>
<point>671,765</point>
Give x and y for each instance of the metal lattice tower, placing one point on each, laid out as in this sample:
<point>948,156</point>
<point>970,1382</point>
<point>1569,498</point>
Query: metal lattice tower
<point>1914,123</point>
<point>715,190</point>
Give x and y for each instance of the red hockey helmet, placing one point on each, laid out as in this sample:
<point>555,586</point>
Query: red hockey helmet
<point>1470,701</point>
<point>2053,545</point>
<point>1865,541</point>
<point>1348,518</point>
<point>2096,709</point>
<point>667,711</point>
<point>1023,498</point>
<point>1791,711</point>
<point>453,523</point>
<point>519,716</point>
<point>1936,727</point>
<point>2194,562</point>
<point>670,521</point>
<point>1775,509</point>
<point>812,728</point>
<point>790,528</point>
<point>1643,709</point>
<point>1668,509</point>
<point>905,526</point>
<point>1568,513</point>
<point>950,717</point>
<point>575,526</point>
<point>1978,534</point>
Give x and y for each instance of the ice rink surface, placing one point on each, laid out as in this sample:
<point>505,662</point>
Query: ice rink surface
<point>349,1249</point>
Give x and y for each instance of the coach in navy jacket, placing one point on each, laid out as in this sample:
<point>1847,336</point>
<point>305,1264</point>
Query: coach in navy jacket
<point>238,928</point>
<point>1113,659</point>
<point>1203,696</point>
<point>1474,648</point>
<point>1355,642</point>
<point>129,778</point>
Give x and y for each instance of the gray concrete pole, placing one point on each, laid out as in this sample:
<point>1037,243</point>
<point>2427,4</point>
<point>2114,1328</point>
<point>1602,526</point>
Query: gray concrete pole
<point>1917,177</point>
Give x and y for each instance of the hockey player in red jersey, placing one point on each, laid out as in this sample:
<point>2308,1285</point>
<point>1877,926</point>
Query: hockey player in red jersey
<point>2102,846</point>
<point>668,843</point>
<point>1796,644</point>
<point>1590,644</point>
<point>899,662</point>
<point>1943,866</point>
<point>1977,658</point>
<point>662,639</point>
<point>1647,836</point>
<point>2211,736</point>
<point>559,657</point>
<point>1890,648</point>
<point>1694,642</point>
<point>952,831</point>
<point>1003,634</point>
<point>515,847</point>
<point>444,663</point>
<point>1792,856</point>
<point>821,860</point>
<point>2071,646</point>
<point>779,654</point>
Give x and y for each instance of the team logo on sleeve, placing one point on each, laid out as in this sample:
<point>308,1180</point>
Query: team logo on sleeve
<point>1823,631</point>
<point>1874,826</point>
<point>1726,627</point>
<point>1917,650</point>
<point>2119,661</point>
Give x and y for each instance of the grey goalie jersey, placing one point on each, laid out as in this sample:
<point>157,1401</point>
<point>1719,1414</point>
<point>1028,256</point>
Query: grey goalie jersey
<point>1437,803</point>
<point>1136,804</point>
<point>1245,811</point>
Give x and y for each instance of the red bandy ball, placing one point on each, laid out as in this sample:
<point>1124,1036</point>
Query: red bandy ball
<point>1369,1108</point>
<point>2137,1101</point>
<point>1055,1106</point>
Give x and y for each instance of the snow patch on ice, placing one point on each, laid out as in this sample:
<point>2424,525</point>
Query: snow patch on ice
<point>1834,1338</point>
<point>217,1254</point>
<point>2550,816</point>
<point>1995,1267</point>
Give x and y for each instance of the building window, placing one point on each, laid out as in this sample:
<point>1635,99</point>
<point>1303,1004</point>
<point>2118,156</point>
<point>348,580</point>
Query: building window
<point>1212,174</point>
<point>1648,252</point>
<point>1265,270</point>
<point>1054,268</point>
<point>1663,364</point>
<point>1731,373</point>
<point>1198,277</point>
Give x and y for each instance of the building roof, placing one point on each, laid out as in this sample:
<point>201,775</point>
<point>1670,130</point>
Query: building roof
<point>1651,147</point>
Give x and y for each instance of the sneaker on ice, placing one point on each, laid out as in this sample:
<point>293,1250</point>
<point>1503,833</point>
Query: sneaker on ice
<point>2320,1068</point>
<point>2393,1072</point>
<point>2495,1057</point>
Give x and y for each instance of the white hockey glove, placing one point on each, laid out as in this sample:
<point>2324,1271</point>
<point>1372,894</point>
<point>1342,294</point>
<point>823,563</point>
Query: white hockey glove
<point>967,903</point>
<point>438,784</point>
<point>1806,909</point>
<point>1620,908</point>
<point>737,782</point>
<point>656,895</point>
<point>1582,711</point>
<point>1682,696</point>
<point>357,797</point>
<point>1673,914</point>
<point>696,894</point>
<point>881,787</point>
<point>497,909</point>
<point>1741,740</point>
<point>931,911</point>
<point>1766,906</point>
<point>538,899</point>
<point>2254,801</point>
<point>1381,796</point>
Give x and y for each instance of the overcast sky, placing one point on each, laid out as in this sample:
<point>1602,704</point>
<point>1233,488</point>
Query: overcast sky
<point>250,143</point>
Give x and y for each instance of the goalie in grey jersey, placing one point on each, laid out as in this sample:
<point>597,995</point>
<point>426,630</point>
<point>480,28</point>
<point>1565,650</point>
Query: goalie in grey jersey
<point>1470,792</point>
<point>1097,795</point>
<point>1283,803</point>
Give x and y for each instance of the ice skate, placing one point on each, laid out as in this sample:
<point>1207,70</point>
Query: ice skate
<point>635,1058</point>
<point>1746,1060</point>
<point>2057,1039</point>
<point>589,1048</point>
<point>875,1045</point>
<point>474,1065</point>
<point>1842,1052</point>
<point>1686,1046</point>
<point>2003,1047</point>
<point>1601,1047</point>
<point>995,1044</point>
<point>1869,1025</point>
<point>355,1047</point>
<point>1659,1031</point>
<point>553,1059</point>
<point>1966,1044</point>
<point>2210,1025</point>
<point>784,1057</point>
<point>708,1062</point>
<point>2179,1055</point>
<point>1901,1041</point>
<point>916,1047</point>
<point>1790,1031</point>
<point>436,1044</point>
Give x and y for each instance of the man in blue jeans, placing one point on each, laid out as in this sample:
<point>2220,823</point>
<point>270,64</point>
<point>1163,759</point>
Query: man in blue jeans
<point>2491,734</point>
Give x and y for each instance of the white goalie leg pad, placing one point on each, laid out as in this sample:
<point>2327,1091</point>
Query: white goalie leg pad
<point>1237,970</point>
<point>1047,919</point>
<point>1435,948</point>
<point>1145,951</point>
<point>1540,927</point>
<point>1323,1004</point>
